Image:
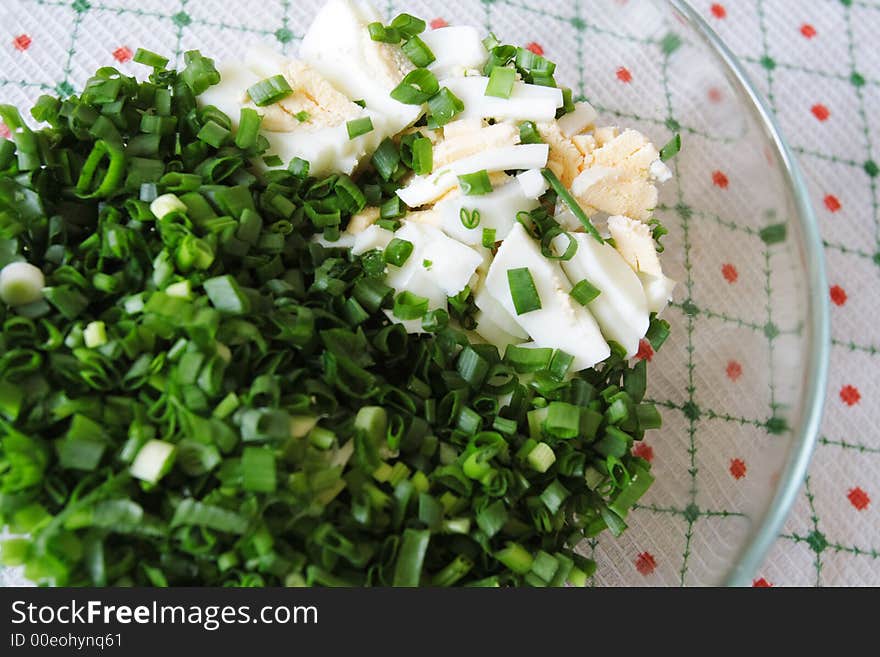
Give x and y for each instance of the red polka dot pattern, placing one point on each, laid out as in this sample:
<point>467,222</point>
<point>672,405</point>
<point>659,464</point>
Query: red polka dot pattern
<point>646,563</point>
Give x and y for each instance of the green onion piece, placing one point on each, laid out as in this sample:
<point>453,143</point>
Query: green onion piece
<point>488,240</point>
<point>422,156</point>
<point>398,251</point>
<point>554,496</point>
<point>372,293</point>
<point>269,91</point>
<point>648,417</point>
<point>657,333</point>
<point>258,470</point>
<point>504,425</point>
<point>149,58</point>
<point>408,25</point>
<point>560,364</point>
<point>584,292</point>
<point>541,457</point>
<point>418,52</point>
<point>386,158</point>
<point>21,283</point>
<point>614,443</point>
<point>469,220</point>
<point>226,296</point>
<point>153,461</point>
<point>524,359</point>
<point>248,128</point>
<point>213,134</point>
<point>567,102</point>
<point>472,367</point>
<point>299,167</point>
<point>379,32</point>
<point>409,306</point>
<point>563,420</point>
<point>410,557</point>
<point>393,208</point>
<point>359,126</point>
<point>435,321</point>
<point>515,557</point>
<point>671,149</point>
<point>90,183</point>
<point>523,291</point>
<point>572,204</point>
<point>639,482</point>
<point>444,106</point>
<point>416,87</point>
<point>475,184</point>
<point>501,81</point>
<point>199,72</point>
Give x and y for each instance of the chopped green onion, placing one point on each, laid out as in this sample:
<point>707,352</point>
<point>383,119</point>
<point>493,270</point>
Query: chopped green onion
<point>269,91</point>
<point>153,461</point>
<point>408,25</point>
<point>657,333</point>
<point>572,204</point>
<point>469,219</point>
<point>393,208</point>
<point>410,557</point>
<point>523,291</point>
<point>525,359</point>
<point>299,167</point>
<point>501,81</point>
<point>213,134</point>
<point>149,58</point>
<point>418,52</point>
<point>167,204</point>
<point>563,420</point>
<point>95,335</point>
<point>541,457</point>
<point>248,128</point>
<point>358,127</point>
<point>444,106</point>
<point>409,306</point>
<point>386,158</point>
<point>226,296</point>
<point>567,101</point>
<point>671,149</point>
<point>416,87</point>
<point>584,292</point>
<point>379,32</point>
<point>488,240</point>
<point>422,156</point>
<point>398,251</point>
<point>21,283</point>
<point>302,116</point>
<point>474,184</point>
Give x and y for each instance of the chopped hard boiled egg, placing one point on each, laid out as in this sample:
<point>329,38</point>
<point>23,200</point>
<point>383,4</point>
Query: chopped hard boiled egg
<point>427,189</point>
<point>635,242</point>
<point>497,211</point>
<point>621,308</point>
<point>560,322</point>
<point>527,102</point>
<point>343,75</point>
<point>338,45</point>
<point>618,175</point>
<point>457,50</point>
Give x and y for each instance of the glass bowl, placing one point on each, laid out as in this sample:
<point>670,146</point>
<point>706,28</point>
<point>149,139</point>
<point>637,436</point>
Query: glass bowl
<point>741,379</point>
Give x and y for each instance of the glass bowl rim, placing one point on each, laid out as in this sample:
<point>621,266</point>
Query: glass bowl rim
<point>817,315</point>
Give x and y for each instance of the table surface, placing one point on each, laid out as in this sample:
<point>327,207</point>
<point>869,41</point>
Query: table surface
<point>817,63</point>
